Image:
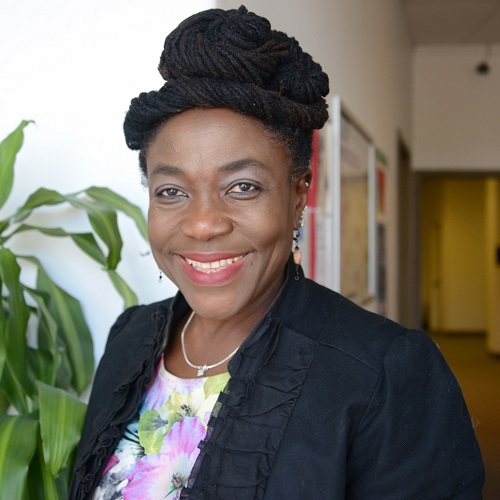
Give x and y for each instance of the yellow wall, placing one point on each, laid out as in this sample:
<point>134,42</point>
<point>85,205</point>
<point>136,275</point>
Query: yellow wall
<point>454,279</point>
<point>492,266</point>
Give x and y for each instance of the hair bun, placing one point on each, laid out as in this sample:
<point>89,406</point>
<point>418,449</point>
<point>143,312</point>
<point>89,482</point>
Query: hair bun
<point>299,78</point>
<point>232,59</point>
<point>234,45</point>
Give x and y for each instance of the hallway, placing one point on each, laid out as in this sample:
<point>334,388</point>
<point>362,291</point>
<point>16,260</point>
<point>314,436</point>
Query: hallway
<point>478,373</point>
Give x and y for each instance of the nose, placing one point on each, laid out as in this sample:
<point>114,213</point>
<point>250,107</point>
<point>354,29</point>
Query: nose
<point>206,219</point>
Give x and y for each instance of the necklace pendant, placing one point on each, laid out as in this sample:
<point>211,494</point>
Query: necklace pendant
<point>202,370</point>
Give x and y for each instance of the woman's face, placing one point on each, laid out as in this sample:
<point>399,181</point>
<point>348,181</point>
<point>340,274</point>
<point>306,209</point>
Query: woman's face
<point>222,210</point>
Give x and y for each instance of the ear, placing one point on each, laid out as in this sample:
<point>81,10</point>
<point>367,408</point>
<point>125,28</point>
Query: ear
<point>301,190</point>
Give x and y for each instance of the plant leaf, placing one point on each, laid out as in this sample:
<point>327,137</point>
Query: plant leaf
<point>88,243</point>
<point>43,196</point>
<point>9,148</point>
<point>61,422</point>
<point>72,329</point>
<point>104,221</point>
<point>4,224</point>
<point>129,297</point>
<point>18,440</point>
<point>43,366</point>
<point>46,362</point>
<point>3,326</point>
<point>47,327</point>
<point>16,383</point>
<point>117,202</point>
<point>18,312</point>
<point>37,199</point>
<point>4,403</point>
<point>85,241</point>
<point>41,483</point>
<point>14,390</point>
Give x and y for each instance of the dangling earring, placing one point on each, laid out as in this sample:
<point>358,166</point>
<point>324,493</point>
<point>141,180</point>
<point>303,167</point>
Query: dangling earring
<point>297,255</point>
<point>160,276</point>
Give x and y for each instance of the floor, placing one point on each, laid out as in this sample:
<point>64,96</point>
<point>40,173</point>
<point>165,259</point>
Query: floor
<point>478,373</point>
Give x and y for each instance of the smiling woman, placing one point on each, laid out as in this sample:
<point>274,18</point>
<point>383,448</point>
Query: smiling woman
<point>255,382</point>
<point>228,199</point>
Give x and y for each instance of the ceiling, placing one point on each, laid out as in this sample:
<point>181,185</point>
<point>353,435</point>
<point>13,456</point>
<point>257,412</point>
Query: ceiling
<point>453,21</point>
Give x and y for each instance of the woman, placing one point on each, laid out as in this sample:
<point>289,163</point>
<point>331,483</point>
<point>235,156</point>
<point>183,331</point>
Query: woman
<point>254,382</point>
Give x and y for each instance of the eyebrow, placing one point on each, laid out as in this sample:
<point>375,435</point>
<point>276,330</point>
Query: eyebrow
<point>228,167</point>
<point>166,170</point>
<point>243,163</point>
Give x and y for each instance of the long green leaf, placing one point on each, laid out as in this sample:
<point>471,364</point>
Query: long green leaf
<point>4,403</point>
<point>85,241</point>
<point>47,330</point>
<point>129,297</point>
<point>46,362</point>
<point>18,440</point>
<point>9,148</point>
<point>18,381</point>
<point>41,483</point>
<point>41,197</point>
<point>104,221</point>
<point>43,366</point>
<point>72,329</point>
<point>18,312</point>
<point>3,326</point>
<point>4,224</point>
<point>61,422</point>
<point>13,389</point>
<point>117,202</point>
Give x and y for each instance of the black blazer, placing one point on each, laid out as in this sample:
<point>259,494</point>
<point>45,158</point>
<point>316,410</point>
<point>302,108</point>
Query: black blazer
<point>325,401</point>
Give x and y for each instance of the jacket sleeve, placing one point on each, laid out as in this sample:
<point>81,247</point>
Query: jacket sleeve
<point>415,439</point>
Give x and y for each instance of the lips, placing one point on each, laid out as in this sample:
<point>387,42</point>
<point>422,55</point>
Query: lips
<point>213,266</point>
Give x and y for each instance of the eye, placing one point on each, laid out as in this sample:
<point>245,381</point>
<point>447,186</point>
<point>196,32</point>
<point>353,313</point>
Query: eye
<point>170,193</point>
<point>244,188</point>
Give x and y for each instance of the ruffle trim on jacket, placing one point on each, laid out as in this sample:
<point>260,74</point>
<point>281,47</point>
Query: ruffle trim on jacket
<point>247,425</point>
<point>125,399</point>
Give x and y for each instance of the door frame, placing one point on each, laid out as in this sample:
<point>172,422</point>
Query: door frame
<point>408,224</point>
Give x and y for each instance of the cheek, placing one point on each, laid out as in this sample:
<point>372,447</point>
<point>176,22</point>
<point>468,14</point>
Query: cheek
<point>158,229</point>
<point>271,226</point>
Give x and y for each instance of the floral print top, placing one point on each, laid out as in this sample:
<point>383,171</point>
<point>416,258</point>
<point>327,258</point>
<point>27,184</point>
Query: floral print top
<point>158,450</point>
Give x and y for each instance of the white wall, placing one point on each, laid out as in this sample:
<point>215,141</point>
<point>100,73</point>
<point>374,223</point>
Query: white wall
<point>73,68</point>
<point>456,111</point>
<point>365,49</point>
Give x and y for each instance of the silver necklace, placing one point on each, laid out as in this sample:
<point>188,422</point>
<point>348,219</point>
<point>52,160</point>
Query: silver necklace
<point>202,369</point>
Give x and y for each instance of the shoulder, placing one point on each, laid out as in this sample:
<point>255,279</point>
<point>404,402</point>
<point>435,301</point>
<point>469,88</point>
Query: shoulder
<point>130,341</point>
<point>137,319</point>
<point>337,323</point>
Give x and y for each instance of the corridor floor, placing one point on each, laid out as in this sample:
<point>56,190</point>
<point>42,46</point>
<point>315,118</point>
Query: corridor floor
<point>478,374</point>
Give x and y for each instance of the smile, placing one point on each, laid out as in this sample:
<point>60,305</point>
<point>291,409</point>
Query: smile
<point>214,266</point>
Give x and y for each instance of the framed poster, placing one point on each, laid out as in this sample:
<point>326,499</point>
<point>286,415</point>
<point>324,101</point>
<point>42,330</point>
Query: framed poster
<point>340,222</point>
<point>381,179</point>
<point>353,207</point>
<point>317,230</point>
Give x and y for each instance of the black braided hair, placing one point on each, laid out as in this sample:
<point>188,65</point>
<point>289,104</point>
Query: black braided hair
<point>233,59</point>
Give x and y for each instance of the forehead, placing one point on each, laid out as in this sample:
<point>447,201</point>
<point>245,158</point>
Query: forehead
<point>206,138</point>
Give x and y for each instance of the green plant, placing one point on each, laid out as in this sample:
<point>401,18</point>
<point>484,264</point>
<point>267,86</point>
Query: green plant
<point>40,414</point>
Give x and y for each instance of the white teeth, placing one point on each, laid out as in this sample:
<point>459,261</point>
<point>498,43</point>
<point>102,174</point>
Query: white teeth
<point>212,267</point>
